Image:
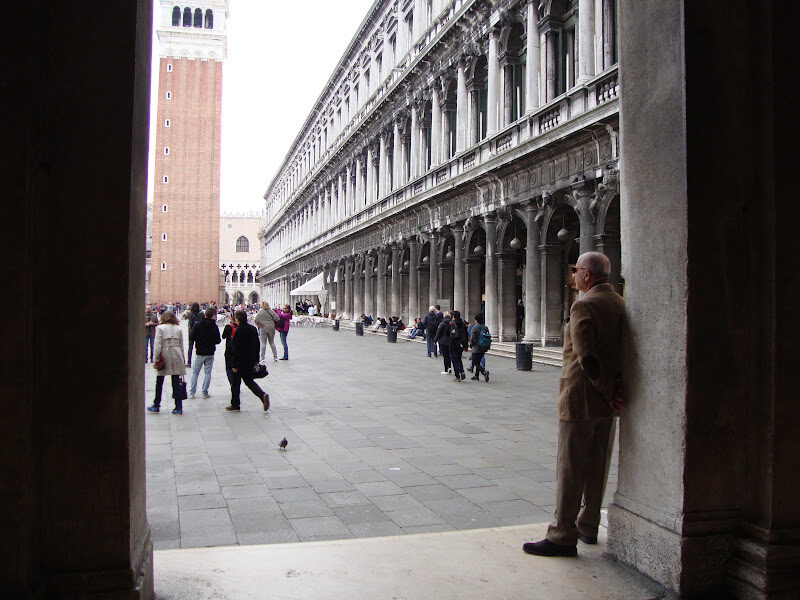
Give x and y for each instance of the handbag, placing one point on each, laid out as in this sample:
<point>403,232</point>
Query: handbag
<point>260,371</point>
<point>160,363</point>
<point>179,392</point>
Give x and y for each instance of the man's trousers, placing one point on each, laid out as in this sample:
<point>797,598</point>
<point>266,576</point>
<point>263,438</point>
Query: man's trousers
<point>584,455</point>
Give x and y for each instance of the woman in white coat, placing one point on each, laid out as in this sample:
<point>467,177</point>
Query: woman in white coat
<point>169,346</point>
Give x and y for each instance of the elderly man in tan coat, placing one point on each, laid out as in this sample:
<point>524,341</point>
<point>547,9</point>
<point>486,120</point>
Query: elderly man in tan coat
<point>589,394</point>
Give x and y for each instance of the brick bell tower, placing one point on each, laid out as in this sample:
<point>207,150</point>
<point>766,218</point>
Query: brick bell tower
<point>185,229</point>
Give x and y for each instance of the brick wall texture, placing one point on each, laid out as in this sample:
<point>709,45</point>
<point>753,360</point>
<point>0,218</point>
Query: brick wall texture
<point>191,194</point>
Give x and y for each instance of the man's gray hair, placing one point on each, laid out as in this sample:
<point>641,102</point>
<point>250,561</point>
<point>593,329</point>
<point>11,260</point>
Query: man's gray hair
<point>597,263</point>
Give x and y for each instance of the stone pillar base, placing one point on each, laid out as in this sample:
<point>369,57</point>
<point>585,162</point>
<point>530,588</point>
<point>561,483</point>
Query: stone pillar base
<point>690,564</point>
<point>764,564</point>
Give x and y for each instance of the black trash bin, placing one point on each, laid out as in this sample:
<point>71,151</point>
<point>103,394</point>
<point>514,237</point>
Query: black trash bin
<point>359,328</point>
<point>391,334</point>
<point>524,357</point>
<point>336,325</point>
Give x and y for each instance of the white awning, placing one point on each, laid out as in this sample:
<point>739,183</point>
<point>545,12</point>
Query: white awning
<point>313,287</point>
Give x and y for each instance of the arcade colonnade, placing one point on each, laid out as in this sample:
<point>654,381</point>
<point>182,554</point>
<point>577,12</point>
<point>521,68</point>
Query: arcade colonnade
<point>521,251</point>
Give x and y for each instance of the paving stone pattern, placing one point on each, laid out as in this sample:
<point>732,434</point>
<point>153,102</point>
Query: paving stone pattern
<point>380,443</point>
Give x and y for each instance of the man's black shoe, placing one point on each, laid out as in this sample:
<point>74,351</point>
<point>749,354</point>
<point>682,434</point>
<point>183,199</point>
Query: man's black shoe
<point>548,548</point>
<point>587,539</point>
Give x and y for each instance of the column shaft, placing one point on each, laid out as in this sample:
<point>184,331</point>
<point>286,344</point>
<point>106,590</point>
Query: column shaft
<point>533,277</point>
<point>462,108</point>
<point>433,286</point>
<point>414,142</point>
<point>532,59</point>
<point>490,223</point>
<point>493,101</point>
<point>380,282</point>
<point>458,271</point>
<point>585,40</point>
<point>397,280</point>
<point>413,279</point>
<point>436,126</point>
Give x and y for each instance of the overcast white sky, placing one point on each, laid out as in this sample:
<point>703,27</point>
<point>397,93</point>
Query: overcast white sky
<point>280,55</point>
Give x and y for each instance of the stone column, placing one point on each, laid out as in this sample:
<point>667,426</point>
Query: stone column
<point>533,277</point>
<point>397,279</point>
<point>609,28</point>
<point>340,201</point>
<point>508,94</point>
<point>472,286</point>
<point>490,225</point>
<point>413,279</point>
<point>325,301</point>
<point>551,293</point>
<point>415,141</point>
<point>462,106</point>
<point>433,286</point>
<point>532,58</point>
<point>340,286</point>
<point>581,200</point>
<point>585,41</point>
<point>381,165</point>
<point>359,186</point>
<point>358,287</point>
<point>492,88</point>
<point>397,153</point>
<point>369,289</point>
<point>458,268</point>
<point>348,193</point>
<point>370,196</point>
<point>436,125</point>
<point>552,64</point>
<point>380,281</point>
<point>506,302</point>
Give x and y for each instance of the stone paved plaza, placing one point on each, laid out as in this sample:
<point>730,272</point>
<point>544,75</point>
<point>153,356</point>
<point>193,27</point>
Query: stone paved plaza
<point>380,443</point>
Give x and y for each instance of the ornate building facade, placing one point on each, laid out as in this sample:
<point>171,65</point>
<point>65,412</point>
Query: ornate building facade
<point>462,152</point>
<point>185,226</point>
<point>239,255</point>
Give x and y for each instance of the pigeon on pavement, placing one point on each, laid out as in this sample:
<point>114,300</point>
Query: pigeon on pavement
<point>283,444</point>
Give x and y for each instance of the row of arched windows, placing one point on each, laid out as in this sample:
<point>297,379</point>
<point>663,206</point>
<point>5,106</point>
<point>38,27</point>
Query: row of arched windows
<point>240,277</point>
<point>193,19</point>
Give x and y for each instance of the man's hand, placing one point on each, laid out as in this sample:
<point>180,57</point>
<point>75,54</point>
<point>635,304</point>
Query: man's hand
<point>235,370</point>
<point>618,401</point>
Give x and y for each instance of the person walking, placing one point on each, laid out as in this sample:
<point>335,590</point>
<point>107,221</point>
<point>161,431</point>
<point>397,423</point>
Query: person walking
<point>520,318</point>
<point>479,342</point>
<point>243,360</point>
<point>282,327</point>
<point>150,324</point>
<point>169,348</point>
<point>227,334</point>
<point>590,393</point>
<point>265,321</point>
<point>194,318</point>
<point>442,338</point>
<point>205,336</point>
<point>430,323</point>
<point>458,343</point>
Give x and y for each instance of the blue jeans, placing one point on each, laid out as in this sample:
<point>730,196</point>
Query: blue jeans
<point>149,342</point>
<point>285,347</point>
<point>413,334</point>
<point>431,345</point>
<point>206,362</point>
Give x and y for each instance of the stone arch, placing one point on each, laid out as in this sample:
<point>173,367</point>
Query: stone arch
<point>559,290</point>
<point>238,297</point>
<point>253,298</point>
<point>511,240</point>
<point>474,267</point>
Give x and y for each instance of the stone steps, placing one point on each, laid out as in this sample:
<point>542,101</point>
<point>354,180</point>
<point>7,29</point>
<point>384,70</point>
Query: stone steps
<point>550,356</point>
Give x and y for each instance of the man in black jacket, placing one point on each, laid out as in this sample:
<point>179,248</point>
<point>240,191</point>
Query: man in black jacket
<point>430,323</point>
<point>245,349</point>
<point>205,337</point>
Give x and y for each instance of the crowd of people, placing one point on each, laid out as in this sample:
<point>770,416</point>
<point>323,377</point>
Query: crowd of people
<point>245,347</point>
<point>448,335</point>
<point>305,307</point>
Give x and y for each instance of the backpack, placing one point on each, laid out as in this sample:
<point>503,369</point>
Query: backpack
<point>484,339</point>
<point>455,334</point>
